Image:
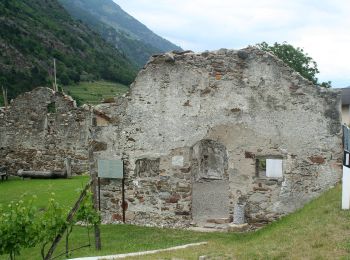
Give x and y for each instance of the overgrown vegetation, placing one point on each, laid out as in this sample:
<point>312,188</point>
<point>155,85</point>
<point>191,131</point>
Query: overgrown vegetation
<point>34,32</point>
<point>297,59</point>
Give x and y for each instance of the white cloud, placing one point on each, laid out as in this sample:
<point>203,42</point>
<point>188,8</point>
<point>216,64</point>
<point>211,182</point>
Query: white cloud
<point>329,48</point>
<point>321,27</point>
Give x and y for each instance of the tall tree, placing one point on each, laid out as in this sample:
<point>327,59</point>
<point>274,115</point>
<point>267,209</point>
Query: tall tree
<point>297,59</point>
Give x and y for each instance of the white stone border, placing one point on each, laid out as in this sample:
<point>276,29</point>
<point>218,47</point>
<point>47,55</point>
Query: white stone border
<point>110,257</point>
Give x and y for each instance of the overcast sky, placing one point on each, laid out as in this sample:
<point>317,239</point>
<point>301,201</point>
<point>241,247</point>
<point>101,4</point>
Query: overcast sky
<point>321,27</point>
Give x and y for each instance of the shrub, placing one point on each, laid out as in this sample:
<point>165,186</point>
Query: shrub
<point>23,226</point>
<point>18,227</point>
<point>51,222</point>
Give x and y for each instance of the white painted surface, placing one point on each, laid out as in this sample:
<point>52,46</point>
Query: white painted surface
<point>346,188</point>
<point>274,168</point>
<point>139,253</point>
<point>178,161</point>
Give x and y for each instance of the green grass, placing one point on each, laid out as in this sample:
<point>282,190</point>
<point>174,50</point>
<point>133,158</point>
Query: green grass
<point>65,191</point>
<point>320,230</point>
<point>94,92</point>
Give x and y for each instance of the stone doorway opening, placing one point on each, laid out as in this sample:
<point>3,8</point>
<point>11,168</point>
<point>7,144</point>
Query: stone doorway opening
<point>210,186</point>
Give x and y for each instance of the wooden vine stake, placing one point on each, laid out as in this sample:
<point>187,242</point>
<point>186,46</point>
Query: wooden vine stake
<point>69,220</point>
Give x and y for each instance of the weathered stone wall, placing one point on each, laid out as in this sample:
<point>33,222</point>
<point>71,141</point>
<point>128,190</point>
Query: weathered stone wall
<point>197,122</point>
<point>41,129</point>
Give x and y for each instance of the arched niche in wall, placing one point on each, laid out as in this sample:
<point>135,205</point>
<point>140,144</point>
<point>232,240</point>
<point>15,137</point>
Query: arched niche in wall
<point>210,186</point>
<point>209,159</point>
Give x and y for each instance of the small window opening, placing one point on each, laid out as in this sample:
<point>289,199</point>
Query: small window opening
<point>269,168</point>
<point>260,167</point>
<point>51,108</point>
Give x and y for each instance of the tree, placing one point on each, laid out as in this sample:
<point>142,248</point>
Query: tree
<point>297,59</point>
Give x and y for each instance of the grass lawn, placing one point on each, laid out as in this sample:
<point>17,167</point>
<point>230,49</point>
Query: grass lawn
<point>66,191</point>
<point>94,92</point>
<point>318,231</point>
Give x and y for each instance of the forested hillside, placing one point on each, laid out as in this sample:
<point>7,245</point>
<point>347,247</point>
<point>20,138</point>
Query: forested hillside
<point>34,32</point>
<point>119,28</point>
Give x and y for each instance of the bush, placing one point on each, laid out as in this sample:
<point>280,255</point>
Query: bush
<point>51,222</point>
<point>87,213</point>
<point>18,227</point>
<point>23,226</point>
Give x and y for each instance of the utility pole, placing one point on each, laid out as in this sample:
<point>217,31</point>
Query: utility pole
<point>54,73</point>
<point>4,93</point>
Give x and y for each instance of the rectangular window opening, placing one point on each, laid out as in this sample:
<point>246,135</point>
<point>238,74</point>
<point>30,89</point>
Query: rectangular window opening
<point>269,168</point>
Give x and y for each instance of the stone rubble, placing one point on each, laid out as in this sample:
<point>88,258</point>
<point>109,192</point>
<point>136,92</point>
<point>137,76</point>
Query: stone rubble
<point>41,129</point>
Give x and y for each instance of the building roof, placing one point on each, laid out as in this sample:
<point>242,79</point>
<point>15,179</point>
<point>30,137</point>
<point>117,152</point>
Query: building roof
<point>345,96</point>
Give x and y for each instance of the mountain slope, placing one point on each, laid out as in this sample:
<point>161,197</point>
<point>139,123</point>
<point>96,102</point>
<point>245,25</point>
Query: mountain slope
<point>119,28</point>
<point>33,32</point>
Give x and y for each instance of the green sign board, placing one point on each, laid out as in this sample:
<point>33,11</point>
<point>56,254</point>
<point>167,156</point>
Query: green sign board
<point>112,169</point>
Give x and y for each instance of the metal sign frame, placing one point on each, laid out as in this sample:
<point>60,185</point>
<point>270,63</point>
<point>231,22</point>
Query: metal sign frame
<point>111,169</point>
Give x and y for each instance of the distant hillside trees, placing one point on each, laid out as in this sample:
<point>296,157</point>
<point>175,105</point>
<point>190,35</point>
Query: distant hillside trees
<point>119,28</point>
<point>34,32</point>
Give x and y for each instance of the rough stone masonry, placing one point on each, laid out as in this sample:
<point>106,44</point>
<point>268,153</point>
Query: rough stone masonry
<point>195,130</point>
<point>41,129</point>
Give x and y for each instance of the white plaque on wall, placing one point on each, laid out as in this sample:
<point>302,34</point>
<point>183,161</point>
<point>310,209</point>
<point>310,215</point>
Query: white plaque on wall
<point>177,161</point>
<point>274,168</point>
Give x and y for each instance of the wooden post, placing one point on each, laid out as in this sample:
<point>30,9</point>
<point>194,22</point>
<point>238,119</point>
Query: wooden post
<point>4,93</point>
<point>54,73</point>
<point>99,193</point>
<point>97,237</point>
<point>123,194</point>
<point>95,201</point>
<point>95,182</point>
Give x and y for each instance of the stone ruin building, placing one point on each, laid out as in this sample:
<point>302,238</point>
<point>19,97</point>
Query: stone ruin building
<point>217,137</point>
<point>41,129</point>
<point>206,138</point>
